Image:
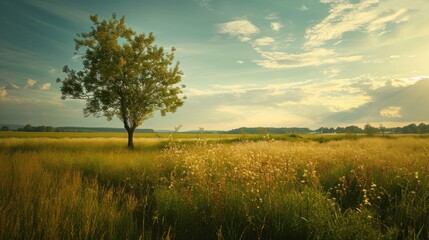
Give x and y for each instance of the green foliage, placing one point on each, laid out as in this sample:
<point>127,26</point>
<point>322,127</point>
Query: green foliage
<point>29,128</point>
<point>370,130</point>
<point>124,74</point>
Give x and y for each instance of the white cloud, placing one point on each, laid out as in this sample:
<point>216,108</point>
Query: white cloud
<point>76,57</point>
<point>240,61</point>
<point>272,16</point>
<point>244,39</point>
<point>332,72</point>
<point>417,78</point>
<point>314,57</point>
<point>30,83</point>
<point>12,86</point>
<point>242,29</point>
<point>303,8</point>
<point>45,86</point>
<point>335,95</point>
<point>52,71</point>
<point>218,90</point>
<point>191,92</point>
<point>391,112</point>
<point>276,26</point>
<point>366,16</point>
<point>337,42</point>
<point>204,3</point>
<point>404,82</point>
<point>331,1</point>
<point>3,92</point>
<point>264,41</point>
<point>380,23</point>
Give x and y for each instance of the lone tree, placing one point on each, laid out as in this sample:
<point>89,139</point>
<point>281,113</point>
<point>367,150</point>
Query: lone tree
<point>124,74</point>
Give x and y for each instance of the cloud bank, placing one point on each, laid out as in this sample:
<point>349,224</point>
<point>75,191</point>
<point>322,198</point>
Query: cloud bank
<point>364,16</point>
<point>321,39</point>
<point>312,103</point>
<point>391,102</point>
<point>314,57</point>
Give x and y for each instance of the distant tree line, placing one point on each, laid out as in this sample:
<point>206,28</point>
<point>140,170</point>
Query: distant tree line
<point>367,129</point>
<point>30,128</point>
<point>262,130</point>
<point>370,130</point>
<point>5,128</point>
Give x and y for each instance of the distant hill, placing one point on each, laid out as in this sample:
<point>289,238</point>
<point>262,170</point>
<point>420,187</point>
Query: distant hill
<point>262,130</point>
<point>205,131</point>
<point>12,127</point>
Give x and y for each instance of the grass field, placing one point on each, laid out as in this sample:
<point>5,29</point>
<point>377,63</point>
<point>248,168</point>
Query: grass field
<point>90,186</point>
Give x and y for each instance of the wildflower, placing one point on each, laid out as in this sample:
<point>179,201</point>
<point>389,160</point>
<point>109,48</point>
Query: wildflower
<point>305,173</point>
<point>366,201</point>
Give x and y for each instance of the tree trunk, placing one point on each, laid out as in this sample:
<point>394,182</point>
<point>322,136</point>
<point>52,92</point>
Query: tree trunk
<point>130,138</point>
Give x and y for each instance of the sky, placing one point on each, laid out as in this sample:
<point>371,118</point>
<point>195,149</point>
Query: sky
<point>246,63</point>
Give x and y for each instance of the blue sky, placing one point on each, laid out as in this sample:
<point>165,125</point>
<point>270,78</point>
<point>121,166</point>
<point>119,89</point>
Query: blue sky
<point>275,63</point>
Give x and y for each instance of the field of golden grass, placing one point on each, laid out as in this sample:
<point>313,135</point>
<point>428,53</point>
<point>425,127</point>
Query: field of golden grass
<point>93,187</point>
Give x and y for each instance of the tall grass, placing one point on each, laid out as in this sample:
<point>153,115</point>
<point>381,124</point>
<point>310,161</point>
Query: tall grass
<point>72,188</point>
<point>39,204</point>
<point>365,189</point>
<point>95,188</point>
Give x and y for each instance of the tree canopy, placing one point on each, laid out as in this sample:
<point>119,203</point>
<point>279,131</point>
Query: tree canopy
<point>124,75</point>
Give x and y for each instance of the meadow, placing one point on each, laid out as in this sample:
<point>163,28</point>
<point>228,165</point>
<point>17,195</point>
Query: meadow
<point>213,186</point>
